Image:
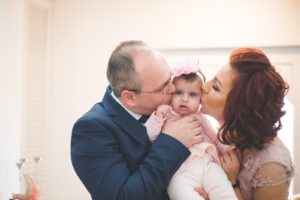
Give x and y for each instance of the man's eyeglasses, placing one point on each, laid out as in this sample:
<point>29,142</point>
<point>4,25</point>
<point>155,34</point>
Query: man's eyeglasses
<point>163,90</point>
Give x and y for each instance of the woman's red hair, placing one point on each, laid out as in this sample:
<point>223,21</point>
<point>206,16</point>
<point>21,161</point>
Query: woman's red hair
<point>254,105</point>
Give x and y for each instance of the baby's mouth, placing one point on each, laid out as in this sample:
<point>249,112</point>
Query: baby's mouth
<point>183,107</point>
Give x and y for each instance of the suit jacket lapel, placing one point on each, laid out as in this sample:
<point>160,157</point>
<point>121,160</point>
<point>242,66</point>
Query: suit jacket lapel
<point>128,123</point>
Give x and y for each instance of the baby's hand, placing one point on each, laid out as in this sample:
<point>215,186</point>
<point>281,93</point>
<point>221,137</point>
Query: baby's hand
<point>162,110</point>
<point>202,193</point>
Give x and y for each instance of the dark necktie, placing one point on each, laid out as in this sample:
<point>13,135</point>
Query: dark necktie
<point>143,119</point>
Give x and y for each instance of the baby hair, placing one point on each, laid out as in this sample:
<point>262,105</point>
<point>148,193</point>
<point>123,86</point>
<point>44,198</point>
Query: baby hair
<point>193,76</point>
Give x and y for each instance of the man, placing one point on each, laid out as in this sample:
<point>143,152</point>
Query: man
<point>110,149</point>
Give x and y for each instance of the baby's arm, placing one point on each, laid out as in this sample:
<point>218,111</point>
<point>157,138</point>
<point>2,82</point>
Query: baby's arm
<point>156,121</point>
<point>208,129</point>
<point>212,135</point>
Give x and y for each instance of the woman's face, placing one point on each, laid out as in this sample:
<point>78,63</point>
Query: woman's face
<point>215,93</point>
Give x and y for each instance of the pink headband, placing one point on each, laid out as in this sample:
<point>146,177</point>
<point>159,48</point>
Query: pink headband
<point>185,67</point>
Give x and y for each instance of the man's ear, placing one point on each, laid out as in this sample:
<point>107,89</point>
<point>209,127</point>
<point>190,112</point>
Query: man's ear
<point>128,98</point>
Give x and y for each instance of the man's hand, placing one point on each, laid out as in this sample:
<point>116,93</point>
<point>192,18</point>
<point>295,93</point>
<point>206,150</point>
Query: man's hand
<point>186,129</point>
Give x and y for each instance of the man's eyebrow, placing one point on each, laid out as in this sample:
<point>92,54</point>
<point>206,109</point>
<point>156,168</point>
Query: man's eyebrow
<point>167,82</point>
<point>218,81</point>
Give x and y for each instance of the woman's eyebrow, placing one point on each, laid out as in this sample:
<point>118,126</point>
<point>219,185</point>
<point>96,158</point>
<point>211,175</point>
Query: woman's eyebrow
<point>218,81</point>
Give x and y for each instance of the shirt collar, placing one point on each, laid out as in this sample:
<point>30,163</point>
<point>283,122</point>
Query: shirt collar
<point>133,114</point>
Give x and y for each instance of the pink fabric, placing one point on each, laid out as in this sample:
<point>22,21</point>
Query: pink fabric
<point>210,145</point>
<point>201,169</point>
<point>184,67</point>
<point>205,174</point>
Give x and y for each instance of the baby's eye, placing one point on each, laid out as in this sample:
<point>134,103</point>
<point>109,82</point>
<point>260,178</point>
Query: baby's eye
<point>215,87</point>
<point>194,94</point>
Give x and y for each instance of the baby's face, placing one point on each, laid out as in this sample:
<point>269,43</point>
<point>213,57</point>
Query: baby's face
<point>186,98</point>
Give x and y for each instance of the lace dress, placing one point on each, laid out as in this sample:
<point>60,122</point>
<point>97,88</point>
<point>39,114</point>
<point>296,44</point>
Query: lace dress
<point>275,154</point>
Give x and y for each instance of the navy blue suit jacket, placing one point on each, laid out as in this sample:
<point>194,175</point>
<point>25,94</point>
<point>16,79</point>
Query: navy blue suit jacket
<point>114,159</point>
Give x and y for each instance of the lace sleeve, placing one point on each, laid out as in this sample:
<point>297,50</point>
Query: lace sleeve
<point>271,174</point>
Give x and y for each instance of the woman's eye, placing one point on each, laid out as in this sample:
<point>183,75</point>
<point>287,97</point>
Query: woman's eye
<point>215,87</point>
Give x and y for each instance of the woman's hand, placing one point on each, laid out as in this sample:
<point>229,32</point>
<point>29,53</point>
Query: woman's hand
<point>230,162</point>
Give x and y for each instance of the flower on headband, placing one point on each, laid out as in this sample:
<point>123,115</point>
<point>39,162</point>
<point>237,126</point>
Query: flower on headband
<point>184,67</point>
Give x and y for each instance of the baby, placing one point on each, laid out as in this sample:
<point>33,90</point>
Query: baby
<point>202,168</point>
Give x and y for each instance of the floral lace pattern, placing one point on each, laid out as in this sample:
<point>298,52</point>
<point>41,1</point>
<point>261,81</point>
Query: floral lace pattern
<point>273,179</point>
<point>255,168</point>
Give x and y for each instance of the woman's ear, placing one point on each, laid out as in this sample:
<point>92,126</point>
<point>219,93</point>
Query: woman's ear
<point>128,98</point>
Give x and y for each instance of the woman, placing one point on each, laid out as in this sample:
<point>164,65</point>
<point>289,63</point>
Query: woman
<point>246,98</point>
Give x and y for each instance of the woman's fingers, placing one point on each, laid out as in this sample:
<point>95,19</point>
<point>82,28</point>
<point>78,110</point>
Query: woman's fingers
<point>230,162</point>
<point>239,154</point>
<point>233,156</point>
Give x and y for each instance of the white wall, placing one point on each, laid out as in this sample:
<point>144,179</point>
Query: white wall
<point>10,91</point>
<point>86,31</point>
